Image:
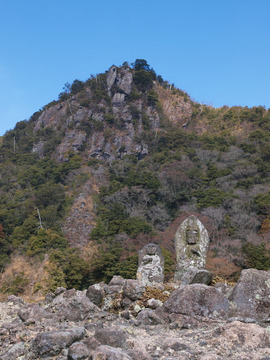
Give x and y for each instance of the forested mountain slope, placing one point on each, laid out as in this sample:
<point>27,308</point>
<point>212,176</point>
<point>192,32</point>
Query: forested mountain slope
<point>120,160</point>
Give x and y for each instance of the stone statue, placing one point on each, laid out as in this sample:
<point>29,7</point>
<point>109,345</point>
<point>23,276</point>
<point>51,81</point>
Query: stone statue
<point>151,265</point>
<point>191,244</point>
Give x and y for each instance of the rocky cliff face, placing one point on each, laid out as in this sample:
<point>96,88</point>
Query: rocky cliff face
<point>107,129</point>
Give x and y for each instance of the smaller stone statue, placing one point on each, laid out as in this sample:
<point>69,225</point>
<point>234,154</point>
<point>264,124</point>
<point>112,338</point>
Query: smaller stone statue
<point>151,265</point>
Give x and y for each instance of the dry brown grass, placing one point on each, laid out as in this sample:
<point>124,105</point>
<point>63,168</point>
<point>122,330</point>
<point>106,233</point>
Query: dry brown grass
<point>88,251</point>
<point>154,293</point>
<point>33,272</point>
<point>222,268</point>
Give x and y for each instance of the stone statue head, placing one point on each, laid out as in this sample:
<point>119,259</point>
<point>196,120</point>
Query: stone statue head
<point>192,236</point>
<point>151,249</point>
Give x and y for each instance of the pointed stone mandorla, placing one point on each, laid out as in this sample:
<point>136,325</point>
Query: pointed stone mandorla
<point>191,244</point>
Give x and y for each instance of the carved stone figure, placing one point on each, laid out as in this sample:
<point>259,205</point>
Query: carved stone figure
<point>151,265</point>
<point>191,244</point>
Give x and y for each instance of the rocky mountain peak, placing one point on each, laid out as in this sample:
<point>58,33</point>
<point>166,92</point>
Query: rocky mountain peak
<point>104,119</point>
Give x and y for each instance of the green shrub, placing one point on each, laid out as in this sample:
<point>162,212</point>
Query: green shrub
<point>146,122</point>
<point>134,226</point>
<point>43,241</point>
<point>56,277</point>
<point>152,98</point>
<point>169,264</point>
<point>262,202</point>
<point>104,263</point>
<point>210,197</point>
<point>127,268</point>
<point>75,269</point>
<point>258,257</point>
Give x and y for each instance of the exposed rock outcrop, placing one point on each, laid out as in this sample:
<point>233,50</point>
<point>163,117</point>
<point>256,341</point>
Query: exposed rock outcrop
<point>199,300</point>
<point>192,324</point>
<point>51,343</point>
<point>251,295</point>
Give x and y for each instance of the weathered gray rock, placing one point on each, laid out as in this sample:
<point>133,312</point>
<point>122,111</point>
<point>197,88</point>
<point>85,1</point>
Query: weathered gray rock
<point>118,98</point>
<point>151,265</point>
<point>38,148</point>
<point>120,79</point>
<point>34,312</point>
<point>133,289</point>
<point>49,297</point>
<point>117,280</point>
<point>154,303</point>
<point>78,351</point>
<point>113,295</point>
<point>52,342</point>
<point>91,342</point>
<point>96,293</point>
<point>105,352</point>
<point>251,295</point>
<point>14,352</point>
<point>197,276</point>
<point>111,77</point>
<point>191,244</point>
<point>149,317</point>
<point>154,334</point>
<point>73,305</point>
<point>197,299</point>
<point>139,354</point>
<point>237,334</point>
<point>223,288</point>
<point>60,290</point>
<point>125,81</point>
<point>114,338</point>
<point>174,344</point>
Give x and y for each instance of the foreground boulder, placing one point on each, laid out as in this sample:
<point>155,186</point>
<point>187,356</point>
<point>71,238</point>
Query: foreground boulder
<point>105,352</point>
<point>14,352</point>
<point>238,334</point>
<point>78,351</point>
<point>96,293</point>
<point>251,295</point>
<point>133,289</point>
<point>115,338</point>
<point>197,276</point>
<point>73,305</point>
<point>197,299</point>
<point>149,317</point>
<point>30,313</point>
<point>114,294</point>
<point>51,343</point>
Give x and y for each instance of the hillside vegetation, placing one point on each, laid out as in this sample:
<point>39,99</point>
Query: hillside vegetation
<point>120,160</point>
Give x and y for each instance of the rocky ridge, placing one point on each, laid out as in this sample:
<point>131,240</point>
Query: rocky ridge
<point>125,320</point>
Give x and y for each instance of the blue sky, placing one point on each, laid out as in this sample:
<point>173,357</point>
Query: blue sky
<point>216,50</point>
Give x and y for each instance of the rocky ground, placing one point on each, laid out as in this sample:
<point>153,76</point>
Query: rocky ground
<point>126,320</point>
